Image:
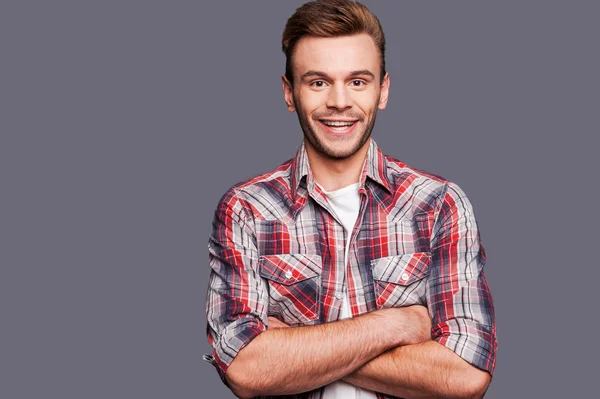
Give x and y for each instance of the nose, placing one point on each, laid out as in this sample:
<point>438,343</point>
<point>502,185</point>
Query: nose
<point>339,97</point>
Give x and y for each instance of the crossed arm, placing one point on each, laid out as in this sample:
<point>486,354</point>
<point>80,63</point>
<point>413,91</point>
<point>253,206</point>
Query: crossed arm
<point>376,350</point>
<point>359,351</point>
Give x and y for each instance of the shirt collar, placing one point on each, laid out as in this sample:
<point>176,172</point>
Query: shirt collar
<point>375,168</point>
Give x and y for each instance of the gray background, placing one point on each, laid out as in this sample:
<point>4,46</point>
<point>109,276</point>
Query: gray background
<point>123,122</point>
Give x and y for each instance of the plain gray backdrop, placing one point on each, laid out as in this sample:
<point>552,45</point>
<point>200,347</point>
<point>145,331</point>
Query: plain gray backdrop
<point>123,122</point>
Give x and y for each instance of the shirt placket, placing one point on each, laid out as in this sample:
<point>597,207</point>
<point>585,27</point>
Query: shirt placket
<point>332,296</point>
<point>364,200</point>
<point>339,247</point>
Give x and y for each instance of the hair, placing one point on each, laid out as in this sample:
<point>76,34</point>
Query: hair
<point>330,18</point>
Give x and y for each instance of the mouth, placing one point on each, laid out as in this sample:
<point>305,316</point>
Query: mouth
<point>338,127</point>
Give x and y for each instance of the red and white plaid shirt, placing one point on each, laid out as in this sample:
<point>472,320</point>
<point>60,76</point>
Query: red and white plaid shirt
<point>277,249</point>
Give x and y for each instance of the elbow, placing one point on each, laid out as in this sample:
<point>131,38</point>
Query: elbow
<point>241,392</point>
<point>240,375</point>
<point>237,382</point>
<point>476,384</point>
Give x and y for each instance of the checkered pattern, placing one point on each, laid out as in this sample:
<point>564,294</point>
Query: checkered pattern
<point>277,249</point>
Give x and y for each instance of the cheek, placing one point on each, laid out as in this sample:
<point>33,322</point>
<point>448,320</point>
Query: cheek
<point>367,104</point>
<point>311,101</point>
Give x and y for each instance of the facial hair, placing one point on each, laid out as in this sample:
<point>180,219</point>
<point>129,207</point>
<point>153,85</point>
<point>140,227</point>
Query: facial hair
<point>319,145</point>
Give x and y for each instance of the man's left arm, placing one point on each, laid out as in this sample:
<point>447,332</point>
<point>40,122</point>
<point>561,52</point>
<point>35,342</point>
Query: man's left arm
<point>460,358</point>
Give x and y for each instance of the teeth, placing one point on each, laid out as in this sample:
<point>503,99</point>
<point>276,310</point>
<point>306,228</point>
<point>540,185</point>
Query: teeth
<point>332,123</point>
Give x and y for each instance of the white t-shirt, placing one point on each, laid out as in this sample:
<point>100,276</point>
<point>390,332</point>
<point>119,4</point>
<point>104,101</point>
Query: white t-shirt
<point>346,204</point>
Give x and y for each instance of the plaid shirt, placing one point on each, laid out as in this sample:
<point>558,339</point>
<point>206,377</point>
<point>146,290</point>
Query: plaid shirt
<point>277,249</point>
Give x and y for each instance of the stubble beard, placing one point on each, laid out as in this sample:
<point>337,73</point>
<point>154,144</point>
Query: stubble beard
<point>321,147</point>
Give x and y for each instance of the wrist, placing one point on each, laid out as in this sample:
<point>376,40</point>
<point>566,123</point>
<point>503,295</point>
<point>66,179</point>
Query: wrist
<point>413,325</point>
<point>389,322</point>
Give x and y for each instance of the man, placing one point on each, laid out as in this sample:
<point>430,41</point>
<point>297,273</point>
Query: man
<point>345,273</point>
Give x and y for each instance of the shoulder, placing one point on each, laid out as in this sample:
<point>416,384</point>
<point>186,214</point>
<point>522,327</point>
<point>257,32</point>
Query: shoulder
<point>405,177</point>
<point>397,169</point>
<point>429,189</point>
<point>261,190</point>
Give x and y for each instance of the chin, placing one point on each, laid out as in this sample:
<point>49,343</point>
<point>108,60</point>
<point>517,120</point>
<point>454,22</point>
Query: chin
<point>340,149</point>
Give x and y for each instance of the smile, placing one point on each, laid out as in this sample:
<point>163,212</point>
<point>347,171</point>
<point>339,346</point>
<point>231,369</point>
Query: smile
<point>338,127</point>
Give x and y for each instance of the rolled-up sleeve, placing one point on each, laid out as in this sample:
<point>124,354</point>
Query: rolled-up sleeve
<point>459,299</point>
<point>236,309</point>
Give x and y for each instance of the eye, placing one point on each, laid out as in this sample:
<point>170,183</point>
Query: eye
<point>317,83</point>
<point>358,83</point>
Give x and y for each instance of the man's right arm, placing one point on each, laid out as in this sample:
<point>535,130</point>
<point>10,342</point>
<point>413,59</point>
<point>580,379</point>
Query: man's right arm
<point>287,361</point>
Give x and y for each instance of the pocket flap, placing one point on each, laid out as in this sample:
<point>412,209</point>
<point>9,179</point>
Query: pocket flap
<point>401,269</point>
<point>289,268</point>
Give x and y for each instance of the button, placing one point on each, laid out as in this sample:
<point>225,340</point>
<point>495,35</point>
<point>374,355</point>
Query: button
<point>340,247</point>
<point>208,358</point>
<point>288,274</point>
<point>339,295</point>
<point>404,276</point>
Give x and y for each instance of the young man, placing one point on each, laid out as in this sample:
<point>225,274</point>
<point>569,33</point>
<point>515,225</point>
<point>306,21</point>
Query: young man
<point>345,273</point>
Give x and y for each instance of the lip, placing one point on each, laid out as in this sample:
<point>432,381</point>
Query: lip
<point>344,132</point>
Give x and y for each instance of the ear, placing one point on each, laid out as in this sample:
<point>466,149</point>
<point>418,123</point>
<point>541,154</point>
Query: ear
<point>288,93</point>
<point>385,92</point>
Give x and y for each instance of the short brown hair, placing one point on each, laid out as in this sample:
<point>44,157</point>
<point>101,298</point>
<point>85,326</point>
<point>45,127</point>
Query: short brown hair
<point>330,18</point>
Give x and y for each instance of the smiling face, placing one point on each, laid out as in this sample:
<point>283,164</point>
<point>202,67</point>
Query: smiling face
<point>336,93</point>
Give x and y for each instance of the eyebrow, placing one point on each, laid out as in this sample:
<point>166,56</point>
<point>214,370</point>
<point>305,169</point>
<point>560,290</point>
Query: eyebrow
<point>324,75</point>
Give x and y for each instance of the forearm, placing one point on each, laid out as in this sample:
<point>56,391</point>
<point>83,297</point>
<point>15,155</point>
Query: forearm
<point>425,370</point>
<point>293,360</point>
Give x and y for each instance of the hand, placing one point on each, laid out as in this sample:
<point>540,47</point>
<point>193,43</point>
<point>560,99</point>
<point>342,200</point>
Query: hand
<point>415,324</point>
<point>275,323</point>
<point>407,325</point>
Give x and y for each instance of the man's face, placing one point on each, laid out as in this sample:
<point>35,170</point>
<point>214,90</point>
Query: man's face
<point>336,92</point>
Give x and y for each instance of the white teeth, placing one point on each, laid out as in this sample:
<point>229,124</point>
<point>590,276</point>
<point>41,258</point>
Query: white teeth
<point>333,123</point>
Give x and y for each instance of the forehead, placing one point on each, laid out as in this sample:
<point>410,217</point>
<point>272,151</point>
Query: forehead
<point>336,55</point>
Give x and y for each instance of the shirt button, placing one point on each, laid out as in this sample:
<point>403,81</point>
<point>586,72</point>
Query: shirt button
<point>288,274</point>
<point>340,247</point>
<point>339,295</point>
<point>404,276</point>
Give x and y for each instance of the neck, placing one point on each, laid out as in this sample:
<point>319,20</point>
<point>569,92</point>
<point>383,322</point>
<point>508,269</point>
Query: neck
<point>333,174</point>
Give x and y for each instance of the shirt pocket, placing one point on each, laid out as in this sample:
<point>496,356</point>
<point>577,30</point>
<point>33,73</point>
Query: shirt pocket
<point>400,280</point>
<point>294,286</point>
